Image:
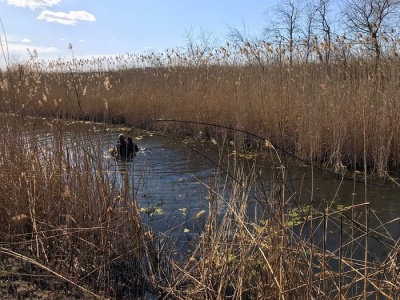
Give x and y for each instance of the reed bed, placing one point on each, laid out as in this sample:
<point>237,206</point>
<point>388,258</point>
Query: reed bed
<point>69,229</point>
<point>316,110</point>
<point>82,235</point>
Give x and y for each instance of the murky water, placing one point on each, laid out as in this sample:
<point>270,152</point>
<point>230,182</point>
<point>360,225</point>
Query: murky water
<point>171,186</point>
<point>170,182</point>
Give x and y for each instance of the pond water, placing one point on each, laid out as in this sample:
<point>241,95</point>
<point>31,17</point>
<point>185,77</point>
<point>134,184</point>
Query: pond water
<point>170,180</point>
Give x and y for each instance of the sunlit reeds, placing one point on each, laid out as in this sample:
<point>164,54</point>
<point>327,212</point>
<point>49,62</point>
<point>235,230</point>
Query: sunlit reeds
<point>312,107</point>
<point>82,226</point>
<point>87,232</point>
<point>86,235</point>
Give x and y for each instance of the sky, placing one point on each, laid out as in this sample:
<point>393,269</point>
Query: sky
<point>101,28</point>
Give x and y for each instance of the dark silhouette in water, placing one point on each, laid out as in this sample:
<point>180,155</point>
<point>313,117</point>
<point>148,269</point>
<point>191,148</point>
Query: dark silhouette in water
<point>121,146</point>
<point>131,148</point>
<point>125,149</point>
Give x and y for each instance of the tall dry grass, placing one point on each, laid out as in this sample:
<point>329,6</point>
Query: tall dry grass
<point>87,239</point>
<point>283,249</point>
<point>311,108</point>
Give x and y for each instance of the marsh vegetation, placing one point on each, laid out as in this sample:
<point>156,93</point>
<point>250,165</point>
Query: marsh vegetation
<point>72,230</point>
<point>342,113</point>
<point>256,237</point>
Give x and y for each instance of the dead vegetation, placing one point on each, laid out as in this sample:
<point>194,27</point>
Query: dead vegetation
<point>86,238</point>
<point>315,110</point>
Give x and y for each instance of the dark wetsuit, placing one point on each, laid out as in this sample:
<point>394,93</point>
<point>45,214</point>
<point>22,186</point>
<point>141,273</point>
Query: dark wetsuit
<point>131,148</point>
<point>122,149</point>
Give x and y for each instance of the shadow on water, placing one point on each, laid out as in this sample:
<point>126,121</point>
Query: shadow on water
<point>340,227</point>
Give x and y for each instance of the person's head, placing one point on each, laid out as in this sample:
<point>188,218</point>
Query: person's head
<point>130,140</point>
<point>121,137</point>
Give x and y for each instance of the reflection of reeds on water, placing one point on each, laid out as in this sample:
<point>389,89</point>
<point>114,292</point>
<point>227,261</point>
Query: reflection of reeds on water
<point>87,232</point>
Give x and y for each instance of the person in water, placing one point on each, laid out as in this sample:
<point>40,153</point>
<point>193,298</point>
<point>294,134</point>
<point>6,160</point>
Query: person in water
<point>122,147</point>
<point>131,148</point>
<point>125,148</point>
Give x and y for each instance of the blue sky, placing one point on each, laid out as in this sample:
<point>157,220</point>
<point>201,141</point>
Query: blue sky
<point>99,27</point>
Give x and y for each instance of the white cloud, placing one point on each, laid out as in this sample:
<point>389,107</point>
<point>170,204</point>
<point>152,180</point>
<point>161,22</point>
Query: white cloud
<point>33,4</point>
<point>26,40</point>
<point>70,18</point>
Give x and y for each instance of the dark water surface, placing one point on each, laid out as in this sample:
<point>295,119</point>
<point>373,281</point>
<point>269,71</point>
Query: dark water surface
<point>170,184</point>
<point>169,181</point>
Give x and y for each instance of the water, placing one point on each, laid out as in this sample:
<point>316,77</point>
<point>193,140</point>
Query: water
<point>171,186</point>
<point>169,180</point>
<point>170,183</point>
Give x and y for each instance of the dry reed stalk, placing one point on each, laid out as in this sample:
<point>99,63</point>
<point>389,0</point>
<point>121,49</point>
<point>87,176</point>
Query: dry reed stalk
<point>67,196</point>
<point>256,248</point>
<point>301,106</point>
<point>81,235</point>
